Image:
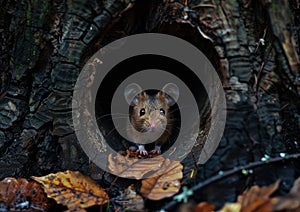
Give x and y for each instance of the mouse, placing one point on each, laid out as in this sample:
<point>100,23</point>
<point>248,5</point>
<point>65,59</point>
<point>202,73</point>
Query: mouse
<point>150,116</point>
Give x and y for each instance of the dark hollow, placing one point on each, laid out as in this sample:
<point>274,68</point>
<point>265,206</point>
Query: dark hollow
<point>130,66</point>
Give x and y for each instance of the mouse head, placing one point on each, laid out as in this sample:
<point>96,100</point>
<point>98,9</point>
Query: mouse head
<point>133,93</point>
<point>150,112</point>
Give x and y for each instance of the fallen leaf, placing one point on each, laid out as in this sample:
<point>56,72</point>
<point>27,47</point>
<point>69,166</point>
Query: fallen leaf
<point>204,207</point>
<point>231,207</point>
<point>130,200</point>
<point>73,189</point>
<point>165,185</point>
<point>137,168</point>
<point>257,198</point>
<point>291,202</point>
<point>16,193</point>
<point>295,190</point>
<point>257,192</point>
<point>258,205</point>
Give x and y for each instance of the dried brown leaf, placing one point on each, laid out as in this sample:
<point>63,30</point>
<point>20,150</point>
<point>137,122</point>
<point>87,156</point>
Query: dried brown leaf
<point>290,202</point>
<point>73,189</point>
<point>137,168</point>
<point>257,198</point>
<point>204,207</point>
<point>16,192</point>
<point>295,190</point>
<point>258,205</point>
<point>165,185</point>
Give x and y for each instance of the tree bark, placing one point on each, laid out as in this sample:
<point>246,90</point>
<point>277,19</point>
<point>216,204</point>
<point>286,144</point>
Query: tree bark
<point>252,44</point>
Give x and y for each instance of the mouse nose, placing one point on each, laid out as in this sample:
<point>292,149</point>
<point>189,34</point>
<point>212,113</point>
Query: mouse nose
<point>152,126</point>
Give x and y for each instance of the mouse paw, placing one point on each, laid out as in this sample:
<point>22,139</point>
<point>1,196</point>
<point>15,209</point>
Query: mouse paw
<point>142,150</point>
<point>156,150</point>
<point>132,148</point>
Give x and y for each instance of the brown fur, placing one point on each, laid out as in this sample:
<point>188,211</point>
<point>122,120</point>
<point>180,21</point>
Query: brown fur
<point>152,106</point>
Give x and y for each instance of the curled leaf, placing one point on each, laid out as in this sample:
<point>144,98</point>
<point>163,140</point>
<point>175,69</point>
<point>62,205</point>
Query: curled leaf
<point>291,202</point>
<point>295,190</point>
<point>258,198</point>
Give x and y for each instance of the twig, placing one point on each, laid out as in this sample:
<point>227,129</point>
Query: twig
<point>231,172</point>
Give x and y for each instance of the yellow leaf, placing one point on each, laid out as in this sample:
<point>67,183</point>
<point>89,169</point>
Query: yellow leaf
<point>73,189</point>
<point>231,207</point>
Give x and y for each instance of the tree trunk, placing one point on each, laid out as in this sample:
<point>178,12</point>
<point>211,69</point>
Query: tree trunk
<point>253,45</point>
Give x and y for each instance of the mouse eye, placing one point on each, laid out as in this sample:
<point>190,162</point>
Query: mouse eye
<point>162,111</point>
<point>142,112</point>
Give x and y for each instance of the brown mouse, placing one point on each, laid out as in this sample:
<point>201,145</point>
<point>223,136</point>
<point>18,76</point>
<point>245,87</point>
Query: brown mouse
<point>149,115</point>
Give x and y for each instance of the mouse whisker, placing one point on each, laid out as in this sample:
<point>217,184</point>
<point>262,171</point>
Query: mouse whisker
<point>108,134</point>
<point>114,129</point>
<point>115,116</point>
<point>185,107</point>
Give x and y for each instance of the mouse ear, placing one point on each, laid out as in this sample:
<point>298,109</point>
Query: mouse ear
<point>173,93</point>
<point>131,92</point>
